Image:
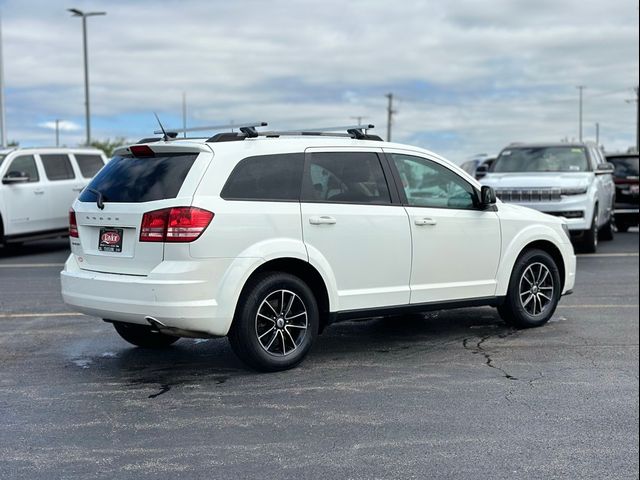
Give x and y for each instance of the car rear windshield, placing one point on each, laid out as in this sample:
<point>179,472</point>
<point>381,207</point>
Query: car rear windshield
<point>625,166</point>
<point>541,159</point>
<point>135,180</point>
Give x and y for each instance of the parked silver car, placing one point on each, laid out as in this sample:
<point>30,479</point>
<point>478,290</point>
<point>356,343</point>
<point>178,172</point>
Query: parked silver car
<point>571,180</point>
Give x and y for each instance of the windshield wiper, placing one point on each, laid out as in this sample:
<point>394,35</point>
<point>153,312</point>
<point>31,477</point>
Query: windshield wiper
<point>100,197</point>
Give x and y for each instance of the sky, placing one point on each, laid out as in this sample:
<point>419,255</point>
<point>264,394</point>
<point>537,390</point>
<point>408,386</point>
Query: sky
<point>468,77</point>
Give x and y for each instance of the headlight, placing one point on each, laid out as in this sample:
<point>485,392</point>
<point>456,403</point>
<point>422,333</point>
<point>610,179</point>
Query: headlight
<point>574,191</point>
<point>565,228</point>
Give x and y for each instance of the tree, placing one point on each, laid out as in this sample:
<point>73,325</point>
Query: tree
<point>108,145</point>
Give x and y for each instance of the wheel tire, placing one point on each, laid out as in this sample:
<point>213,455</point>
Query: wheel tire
<point>262,309</point>
<point>589,242</point>
<point>607,231</point>
<point>526,275</point>
<point>622,228</point>
<point>143,336</point>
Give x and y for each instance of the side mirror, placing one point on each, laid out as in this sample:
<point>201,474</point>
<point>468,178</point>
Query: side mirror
<point>15,177</point>
<point>605,168</point>
<point>487,196</point>
<point>481,171</point>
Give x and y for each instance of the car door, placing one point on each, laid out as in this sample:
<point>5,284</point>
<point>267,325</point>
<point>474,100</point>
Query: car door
<point>352,230</point>
<point>456,245</point>
<point>62,185</point>
<point>26,203</point>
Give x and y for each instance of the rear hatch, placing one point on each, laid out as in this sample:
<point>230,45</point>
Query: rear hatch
<point>136,181</point>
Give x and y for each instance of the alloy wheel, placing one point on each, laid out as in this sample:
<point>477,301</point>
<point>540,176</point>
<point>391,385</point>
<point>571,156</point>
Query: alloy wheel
<point>281,322</point>
<point>536,289</point>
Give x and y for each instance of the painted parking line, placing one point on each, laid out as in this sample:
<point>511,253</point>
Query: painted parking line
<point>42,314</point>
<point>30,265</point>
<point>591,255</point>
<point>600,306</point>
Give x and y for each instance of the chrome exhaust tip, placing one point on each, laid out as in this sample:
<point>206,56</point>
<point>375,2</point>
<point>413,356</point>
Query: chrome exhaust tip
<point>154,322</point>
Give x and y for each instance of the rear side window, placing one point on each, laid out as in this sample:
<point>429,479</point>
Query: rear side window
<point>89,164</point>
<point>135,180</point>
<point>266,177</point>
<point>57,166</point>
<point>345,177</point>
<point>24,165</point>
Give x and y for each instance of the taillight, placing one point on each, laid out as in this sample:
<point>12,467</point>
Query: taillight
<point>73,224</point>
<point>178,224</point>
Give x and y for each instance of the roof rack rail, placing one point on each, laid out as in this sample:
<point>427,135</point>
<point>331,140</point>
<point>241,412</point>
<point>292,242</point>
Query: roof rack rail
<point>348,131</point>
<point>240,126</point>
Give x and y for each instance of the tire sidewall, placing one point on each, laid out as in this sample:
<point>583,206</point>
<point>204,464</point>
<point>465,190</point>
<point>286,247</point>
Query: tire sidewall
<point>522,318</point>
<point>243,335</point>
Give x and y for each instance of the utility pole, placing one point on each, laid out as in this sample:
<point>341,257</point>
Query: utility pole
<point>358,118</point>
<point>580,88</point>
<point>84,15</point>
<point>597,134</point>
<point>57,132</point>
<point>184,114</point>
<point>3,130</point>
<point>390,113</point>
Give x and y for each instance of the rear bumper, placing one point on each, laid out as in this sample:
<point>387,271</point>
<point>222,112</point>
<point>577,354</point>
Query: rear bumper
<point>195,302</point>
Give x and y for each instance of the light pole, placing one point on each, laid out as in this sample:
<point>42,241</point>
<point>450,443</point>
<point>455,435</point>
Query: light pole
<point>84,15</point>
<point>580,88</point>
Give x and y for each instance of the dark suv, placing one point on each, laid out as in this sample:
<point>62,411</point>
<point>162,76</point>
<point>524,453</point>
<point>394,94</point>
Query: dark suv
<point>626,179</point>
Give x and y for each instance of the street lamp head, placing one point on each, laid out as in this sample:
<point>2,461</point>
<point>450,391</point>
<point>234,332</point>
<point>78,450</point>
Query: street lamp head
<point>80,13</point>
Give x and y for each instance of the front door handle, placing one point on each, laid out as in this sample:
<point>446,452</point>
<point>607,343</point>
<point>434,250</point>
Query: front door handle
<point>78,189</point>
<point>425,221</point>
<point>38,192</point>
<point>323,220</point>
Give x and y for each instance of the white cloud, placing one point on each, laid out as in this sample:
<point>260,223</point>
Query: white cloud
<point>481,74</point>
<point>62,125</point>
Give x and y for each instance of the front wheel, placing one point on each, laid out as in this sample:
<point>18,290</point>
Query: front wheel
<point>143,336</point>
<point>276,322</point>
<point>534,291</point>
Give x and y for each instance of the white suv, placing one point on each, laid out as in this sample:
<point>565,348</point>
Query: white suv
<point>269,238</point>
<point>570,180</point>
<point>37,188</point>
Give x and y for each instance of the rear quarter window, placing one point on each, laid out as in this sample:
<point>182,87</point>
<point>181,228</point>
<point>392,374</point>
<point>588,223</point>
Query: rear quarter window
<point>266,177</point>
<point>89,164</point>
<point>136,180</point>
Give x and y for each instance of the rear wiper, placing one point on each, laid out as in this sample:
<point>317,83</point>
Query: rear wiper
<point>100,198</point>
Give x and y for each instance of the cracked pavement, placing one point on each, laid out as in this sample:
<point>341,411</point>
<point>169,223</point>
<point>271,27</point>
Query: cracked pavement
<point>455,395</point>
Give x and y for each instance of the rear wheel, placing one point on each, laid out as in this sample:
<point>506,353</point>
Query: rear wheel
<point>607,231</point>
<point>276,322</point>
<point>589,242</point>
<point>534,291</point>
<point>143,336</point>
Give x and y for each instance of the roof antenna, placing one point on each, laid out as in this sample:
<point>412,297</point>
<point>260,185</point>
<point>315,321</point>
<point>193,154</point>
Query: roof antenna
<point>165,136</point>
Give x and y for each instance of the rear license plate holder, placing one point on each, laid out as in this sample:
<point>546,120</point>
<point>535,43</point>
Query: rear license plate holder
<point>110,239</point>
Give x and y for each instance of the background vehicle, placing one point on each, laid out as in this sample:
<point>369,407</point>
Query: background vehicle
<point>625,177</point>
<point>38,187</point>
<point>571,180</point>
<point>269,238</point>
<point>477,167</point>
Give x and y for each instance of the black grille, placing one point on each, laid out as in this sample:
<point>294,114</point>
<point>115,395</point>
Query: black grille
<point>529,194</point>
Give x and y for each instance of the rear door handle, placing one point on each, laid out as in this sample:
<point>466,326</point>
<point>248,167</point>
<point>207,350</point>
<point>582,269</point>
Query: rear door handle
<point>425,221</point>
<point>78,189</point>
<point>323,220</point>
<point>38,192</point>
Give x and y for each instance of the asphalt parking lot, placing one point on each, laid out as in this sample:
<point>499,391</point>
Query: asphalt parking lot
<point>454,395</point>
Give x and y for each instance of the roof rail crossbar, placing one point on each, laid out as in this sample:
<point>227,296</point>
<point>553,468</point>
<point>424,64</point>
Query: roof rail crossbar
<point>214,127</point>
<point>352,131</point>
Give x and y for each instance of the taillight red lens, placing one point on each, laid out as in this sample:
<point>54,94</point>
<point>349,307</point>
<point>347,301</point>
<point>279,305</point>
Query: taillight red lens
<point>154,226</point>
<point>73,224</point>
<point>179,224</point>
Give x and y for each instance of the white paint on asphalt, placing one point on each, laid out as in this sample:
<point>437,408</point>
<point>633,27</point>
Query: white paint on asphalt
<point>31,265</point>
<point>32,315</point>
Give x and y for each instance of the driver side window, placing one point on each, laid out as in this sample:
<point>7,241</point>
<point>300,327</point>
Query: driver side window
<point>428,184</point>
<point>25,164</point>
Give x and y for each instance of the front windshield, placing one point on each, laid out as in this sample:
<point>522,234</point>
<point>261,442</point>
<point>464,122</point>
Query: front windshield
<point>542,159</point>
